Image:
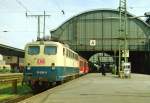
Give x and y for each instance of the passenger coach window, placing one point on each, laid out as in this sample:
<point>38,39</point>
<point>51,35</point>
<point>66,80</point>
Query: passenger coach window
<point>50,50</point>
<point>33,50</point>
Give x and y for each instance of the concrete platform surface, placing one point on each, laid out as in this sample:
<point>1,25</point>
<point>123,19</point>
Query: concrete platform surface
<point>94,88</point>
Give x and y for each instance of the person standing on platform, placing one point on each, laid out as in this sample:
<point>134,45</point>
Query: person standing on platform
<point>103,69</point>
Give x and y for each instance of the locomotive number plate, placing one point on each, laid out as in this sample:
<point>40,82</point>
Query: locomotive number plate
<point>41,72</point>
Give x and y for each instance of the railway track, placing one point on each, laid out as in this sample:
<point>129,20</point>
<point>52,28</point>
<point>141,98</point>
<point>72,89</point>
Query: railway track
<point>17,99</point>
<point>13,78</point>
<point>27,95</point>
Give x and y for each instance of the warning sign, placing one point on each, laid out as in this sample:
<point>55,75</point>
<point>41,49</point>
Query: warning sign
<point>92,42</point>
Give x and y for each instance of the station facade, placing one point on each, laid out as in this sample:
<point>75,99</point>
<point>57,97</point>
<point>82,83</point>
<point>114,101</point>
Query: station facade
<point>97,31</point>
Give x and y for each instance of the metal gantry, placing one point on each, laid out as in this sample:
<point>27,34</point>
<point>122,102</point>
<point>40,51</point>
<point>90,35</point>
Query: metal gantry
<point>123,32</point>
<point>39,23</point>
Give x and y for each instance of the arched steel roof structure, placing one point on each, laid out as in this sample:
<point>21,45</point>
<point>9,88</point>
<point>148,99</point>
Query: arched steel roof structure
<point>102,26</point>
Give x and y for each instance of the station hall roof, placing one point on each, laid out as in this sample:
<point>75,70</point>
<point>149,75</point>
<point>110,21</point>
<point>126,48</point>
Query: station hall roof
<point>99,30</point>
<point>11,51</point>
<point>100,10</point>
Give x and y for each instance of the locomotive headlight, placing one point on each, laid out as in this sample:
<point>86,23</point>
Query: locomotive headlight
<point>53,66</point>
<point>28,68</point>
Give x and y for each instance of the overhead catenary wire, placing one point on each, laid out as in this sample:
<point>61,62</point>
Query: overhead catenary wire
<point>22,5</point>
<point>59,7</point>
<point>137,7</point>
<point>56,3</point>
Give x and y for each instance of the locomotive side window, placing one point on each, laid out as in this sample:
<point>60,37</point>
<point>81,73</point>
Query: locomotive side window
<point>33,50</point>
<point>81,63</point>
<point>76,57</point>
<point>64,51</point>
<point>50,50</point>
<point>67,53</point>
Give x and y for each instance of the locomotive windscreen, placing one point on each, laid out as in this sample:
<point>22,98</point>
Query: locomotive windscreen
<point>50,50</point>
<point>33,50</point>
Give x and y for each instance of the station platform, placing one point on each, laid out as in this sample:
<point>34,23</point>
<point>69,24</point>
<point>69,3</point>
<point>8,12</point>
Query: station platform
<point>95,88</point>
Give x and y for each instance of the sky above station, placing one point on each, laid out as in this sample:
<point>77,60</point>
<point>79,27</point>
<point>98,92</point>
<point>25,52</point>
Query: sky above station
<point>17,29</point>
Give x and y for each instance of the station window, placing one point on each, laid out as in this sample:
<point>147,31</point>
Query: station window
<point>33,50</point>
<point>50,50</point>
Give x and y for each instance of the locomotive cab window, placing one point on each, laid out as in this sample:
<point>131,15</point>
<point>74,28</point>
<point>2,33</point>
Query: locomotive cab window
<point>50,50</point>
<point>33,50</point>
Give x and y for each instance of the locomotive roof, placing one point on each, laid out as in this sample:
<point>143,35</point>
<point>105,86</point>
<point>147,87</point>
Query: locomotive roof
<point>48,42</point>
<point>43,42</point>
